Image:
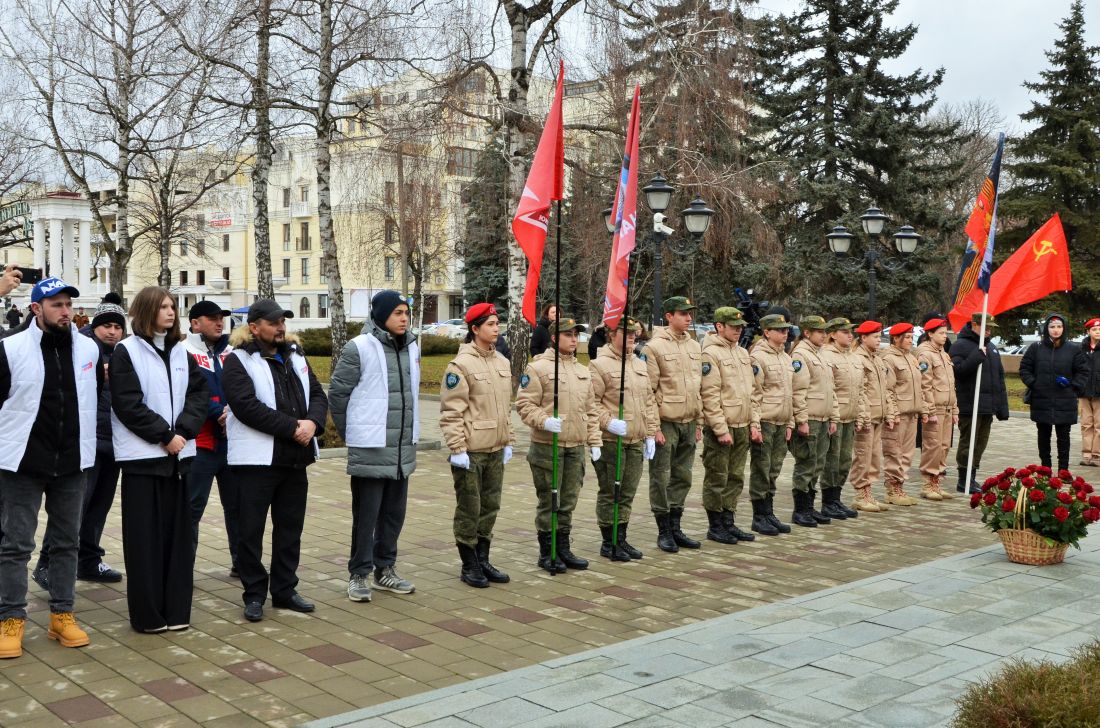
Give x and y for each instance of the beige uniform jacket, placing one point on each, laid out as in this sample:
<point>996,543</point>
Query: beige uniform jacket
<point>675,368</point>
<point>937,379</point>
<point>814,394</point>
<point>847,378</point>
<point>639,404</point>
<point>475,413</point>
<point>727,386</point>
<point>772,385</point>
<point>874,404</point>
<point>903,379</point>
<point>580,421</point>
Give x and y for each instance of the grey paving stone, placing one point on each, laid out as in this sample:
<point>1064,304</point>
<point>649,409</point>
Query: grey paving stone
<point>671,693</point>
<point>935,636</point>
<point>939,587</point>
<point>695,716</point>
<point>738,673</point>
<point>863,692</point>
<point>730,649</point>
<point>967,654</point>
<point>773,613</point>
<point>577,692</point>
<point>845,615</point>
<point>795,627</point>
<point>861,633</point>
<point>847,665</point>
<point>629,706</point>
<point>449,722</point>
<point>803,712</point>
<point>738,702</point>
<point>657,669</point>
<point>801,681</point>
<point>891,650</point>
<point>587,715</point>
<point>511,711</point>
<point>800,652</point>
<point>751,722</point>
<point>910,617</point>
<point>653,721</point>
<point>425,712</point>
<point>898,715</point>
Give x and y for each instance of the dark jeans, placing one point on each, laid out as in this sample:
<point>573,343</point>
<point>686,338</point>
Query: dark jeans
<point>282,491</point>
<point>22,499</point>
<point>99,496</point>
<point>377,516</point>
<point>1061,433</point>
<point>207,465</point>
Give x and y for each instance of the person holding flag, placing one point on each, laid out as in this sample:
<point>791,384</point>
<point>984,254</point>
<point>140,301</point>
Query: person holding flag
<point>969,354</point>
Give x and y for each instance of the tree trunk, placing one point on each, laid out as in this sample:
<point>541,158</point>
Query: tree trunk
<point>519,331</point>
<point>261,170</point>
<point>164,243</point>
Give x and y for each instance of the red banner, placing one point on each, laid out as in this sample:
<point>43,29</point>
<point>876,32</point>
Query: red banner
<point>625,214</point>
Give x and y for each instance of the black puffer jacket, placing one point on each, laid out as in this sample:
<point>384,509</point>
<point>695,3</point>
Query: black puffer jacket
<point>104,446</point>
<point>540,337</point>
<point>1092,366</point>
<point>966,355</point>
<point>1043,364</point>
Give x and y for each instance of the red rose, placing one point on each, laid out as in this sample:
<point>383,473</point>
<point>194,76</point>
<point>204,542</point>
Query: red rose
<point>1082,495</point>
<point>1094,501</point>
<point>1065,474</point>
<point>1037,496</point>
<point>990,481</point>
<point>975,499</point>
<point>1065,497</point>
<point>1043,470</point>
<point>1061,513</point>
<point>1028,482</point>
<point>1087,488</point>
<point>1055,482</point>
<point>1010,471</point>
<point>1008,505</point>
<point>987,486</point>
<point>1078,482</point>
<point>1004,485</point>
<point>1091,515</point>
<point>989,498</point>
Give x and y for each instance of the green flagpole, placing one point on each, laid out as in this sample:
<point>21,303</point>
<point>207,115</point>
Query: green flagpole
<point>617,493</point>
<point>555,472</point>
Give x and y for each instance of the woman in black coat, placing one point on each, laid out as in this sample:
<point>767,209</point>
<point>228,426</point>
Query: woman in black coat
<point>1054,371</point>
<point>540,335</point>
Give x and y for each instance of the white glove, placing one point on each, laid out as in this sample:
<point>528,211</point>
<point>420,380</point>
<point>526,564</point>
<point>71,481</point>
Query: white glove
<point>460,460</point>
<point>649,449</point>
<point>595,454</point>
<point>552,424</point>
<point>507,453</point>
<point>617,427</point>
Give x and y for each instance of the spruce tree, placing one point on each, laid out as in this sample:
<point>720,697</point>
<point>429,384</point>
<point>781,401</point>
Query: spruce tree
<point>1056,166</point>
<point>484,247</point>
<point>847,135</point>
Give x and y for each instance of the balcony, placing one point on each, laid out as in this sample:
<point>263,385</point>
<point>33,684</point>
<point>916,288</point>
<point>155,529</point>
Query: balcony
<point>300,209</point>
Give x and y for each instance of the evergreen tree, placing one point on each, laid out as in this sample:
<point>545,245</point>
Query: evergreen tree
<point>848,134</point>
<point>484,247</point>
<point>1056,166</point>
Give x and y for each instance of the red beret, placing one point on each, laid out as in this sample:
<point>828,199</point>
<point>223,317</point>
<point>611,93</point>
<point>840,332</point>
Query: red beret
<point>933,324</point>
<point>869,327</point>
<point>1092,322</point>
<point>899,329</point>
<point>478,310</point>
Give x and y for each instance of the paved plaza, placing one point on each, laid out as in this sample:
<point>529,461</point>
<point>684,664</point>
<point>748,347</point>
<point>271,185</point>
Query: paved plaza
<point>290,668</point>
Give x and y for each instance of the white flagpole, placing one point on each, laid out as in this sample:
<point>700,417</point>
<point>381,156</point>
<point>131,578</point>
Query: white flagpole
<point>977,393</point>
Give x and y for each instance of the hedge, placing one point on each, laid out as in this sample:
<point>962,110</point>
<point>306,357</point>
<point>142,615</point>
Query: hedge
<point>318,342</point>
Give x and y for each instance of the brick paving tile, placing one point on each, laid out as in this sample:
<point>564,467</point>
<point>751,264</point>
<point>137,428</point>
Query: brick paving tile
<point>521,615</point>
<point>255,671</point>
<point>400,640</point>
<point>80,709</point>
<point>172,689</point>
<point>580,605</point>
<point>463,627</point>
<point>331,654</point>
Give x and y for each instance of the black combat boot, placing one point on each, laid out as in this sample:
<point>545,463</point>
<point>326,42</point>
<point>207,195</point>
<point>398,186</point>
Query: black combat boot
<point>803,514</point>
<point>471,568</point>
<point>567,557</point>
<point>674,515</point>
<point>961,485</point>
<point>760,521</point>
<point>831,505</point>
<point>610,550</point>
<point>731,527</point>
<point>717,529</point>
<point>778,524</point>
<point>491,572</point>
<point>626,548</point>
<point>553,566</point>
<point>665,542</point>
<point>849,512</point>
<point>821,518</point>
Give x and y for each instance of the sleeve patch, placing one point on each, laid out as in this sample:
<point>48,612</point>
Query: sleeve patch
<point>451,380</point>
<point>706,368</point>
<point>924,366</point>
<point>642,356</point>
<point>796,365</point>
<point>524,380</point>
<point>755,370</point>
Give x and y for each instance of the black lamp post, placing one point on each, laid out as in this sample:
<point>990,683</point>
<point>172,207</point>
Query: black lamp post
<point>873,222</point>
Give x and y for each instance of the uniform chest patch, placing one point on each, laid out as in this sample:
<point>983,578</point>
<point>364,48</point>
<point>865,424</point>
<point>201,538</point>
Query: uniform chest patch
<point>924,366</point>
<point>755,370</point>
<point>642,356</point>
<point>706,368</point>
<point>796,365</point>
<point>524,380</point>
<point>451,380</point>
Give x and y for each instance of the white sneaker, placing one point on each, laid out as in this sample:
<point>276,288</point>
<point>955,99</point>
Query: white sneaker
<point>358,588</point>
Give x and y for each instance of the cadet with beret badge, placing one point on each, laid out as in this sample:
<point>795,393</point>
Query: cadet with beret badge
<point>772,393</point>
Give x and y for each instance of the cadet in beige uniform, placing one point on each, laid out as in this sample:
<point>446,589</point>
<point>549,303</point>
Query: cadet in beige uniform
<point>772,372</point>
<point>731,421</point>
<point>815,416</point>
<point>938,385</point>
<point>577,425</point>
<point>875,414</point>
<point>903,389</point>
<point>847,368</point>
<point>674,360</point>
<point>475,404</point>
<point>637,427</point>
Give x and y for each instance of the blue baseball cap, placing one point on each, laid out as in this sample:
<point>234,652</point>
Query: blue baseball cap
<point>49,287</point>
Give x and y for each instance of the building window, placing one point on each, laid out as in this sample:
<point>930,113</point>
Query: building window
<point>200,246</point>
<point>303,193</point>
<point>303,308</point>
<point>225,276</point>
<point>225,243</point>
<point>388,195</point>
<point>391,266</point>
<point>461,161</point>
<point>200,278</point>
<point>183,247</point>
<point>183,278</point>
<point>324,272</point>
<point>391,231</point>
<point>456,306</point>
<point>305,270</point>
<point>322,305</point>
<point>286,197</point>
<point>286,236</point>
<point>286,268</point>
<point>303,241</point>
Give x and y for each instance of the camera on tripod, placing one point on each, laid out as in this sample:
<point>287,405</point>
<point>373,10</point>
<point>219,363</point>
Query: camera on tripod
<point>752,311</point>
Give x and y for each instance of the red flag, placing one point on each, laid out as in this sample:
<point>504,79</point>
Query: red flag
<point>624,213</point>
<point>1038,268</point>
<point>545,183</point>
<point>977,262</point>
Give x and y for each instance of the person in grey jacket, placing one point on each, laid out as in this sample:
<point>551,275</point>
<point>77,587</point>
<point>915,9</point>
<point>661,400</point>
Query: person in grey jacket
<point>378,417</point>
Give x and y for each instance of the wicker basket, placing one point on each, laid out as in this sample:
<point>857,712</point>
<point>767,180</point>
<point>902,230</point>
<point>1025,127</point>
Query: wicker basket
<point>1024,546</point>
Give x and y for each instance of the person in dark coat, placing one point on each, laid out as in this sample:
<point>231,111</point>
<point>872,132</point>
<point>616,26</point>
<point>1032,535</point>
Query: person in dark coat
<point>1054,370</point>
<point>598,339</point>
<point>14,316</point>
<point>1089,397</point>
<point>967,354</point>
<point>540,335</point>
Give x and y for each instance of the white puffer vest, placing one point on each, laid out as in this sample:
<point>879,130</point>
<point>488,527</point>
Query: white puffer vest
<point>248,446</point>
<point>164,397</point>
<point>369,403</point>
<point>19,411</point>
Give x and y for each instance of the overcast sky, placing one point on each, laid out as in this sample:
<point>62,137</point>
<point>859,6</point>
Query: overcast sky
<point>987,48</point>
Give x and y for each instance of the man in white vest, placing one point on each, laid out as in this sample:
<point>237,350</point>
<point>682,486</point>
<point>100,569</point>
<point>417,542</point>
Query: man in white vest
<point>49,378</point>
<point>276,410</point>
<point>374,392</point>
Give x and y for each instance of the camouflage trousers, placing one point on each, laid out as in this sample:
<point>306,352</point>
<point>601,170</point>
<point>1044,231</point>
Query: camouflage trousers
<point>570,478</point>
<point>670,468</point>
<point>605,475</point>
<point>838,460</point>
<point>809,455</point>
<point>766,460</point>
<point>477,492</point>
<point>724,468</point>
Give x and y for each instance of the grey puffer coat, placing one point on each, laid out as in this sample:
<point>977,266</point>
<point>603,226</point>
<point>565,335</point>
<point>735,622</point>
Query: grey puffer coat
<point>397,459</point>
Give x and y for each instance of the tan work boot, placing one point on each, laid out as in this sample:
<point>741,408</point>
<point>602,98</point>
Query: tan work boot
<point>64,629</point>
<point>929,490</point>
<point>944,495</point>
<point>11,637</point>
<point>896,496</point>
<point>865,501</point>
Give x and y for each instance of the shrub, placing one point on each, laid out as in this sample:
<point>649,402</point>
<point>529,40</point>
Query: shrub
<point>1026,694</point>
<point>318,342</point>
<point>431,345</point>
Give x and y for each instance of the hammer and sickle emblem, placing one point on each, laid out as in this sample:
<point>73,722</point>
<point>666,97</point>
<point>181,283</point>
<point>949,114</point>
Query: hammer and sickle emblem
<point>1041,248</point>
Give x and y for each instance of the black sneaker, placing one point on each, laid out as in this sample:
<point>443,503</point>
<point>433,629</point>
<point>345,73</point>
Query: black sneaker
<point>103,573</point>
<point>41,576</point>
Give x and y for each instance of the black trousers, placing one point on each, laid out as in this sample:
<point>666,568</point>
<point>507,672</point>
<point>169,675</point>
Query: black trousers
<point>99,496</point>
<point>156,544</point>
<point>282,491</point>
<point>377,516</point>
<point>1061,433</point>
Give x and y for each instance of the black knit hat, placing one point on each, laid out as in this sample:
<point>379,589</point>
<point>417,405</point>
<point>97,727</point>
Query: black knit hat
<point>383,304</point>
<point>109,313</point>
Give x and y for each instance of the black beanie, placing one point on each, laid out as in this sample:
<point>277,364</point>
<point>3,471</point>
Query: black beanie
<point>382,305</point>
